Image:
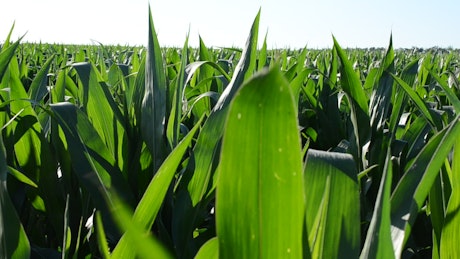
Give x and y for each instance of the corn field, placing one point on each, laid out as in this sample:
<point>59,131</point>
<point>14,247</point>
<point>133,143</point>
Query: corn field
<point>151,152</point>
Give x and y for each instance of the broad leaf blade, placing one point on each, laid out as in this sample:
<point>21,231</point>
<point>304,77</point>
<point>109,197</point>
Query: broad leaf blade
<point>332,198</point>
<point>259,174</point>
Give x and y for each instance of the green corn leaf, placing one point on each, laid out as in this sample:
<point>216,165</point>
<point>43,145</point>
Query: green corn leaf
<point>191,68</point>
<point>154,103</point>
<point>137,95</point>
<point>450,231</point>
<point>262,59</point>
<point>449,93</point>
<point>210,250</point>
<point>66,240</point>
<point>175,117</point>
<point>381,96</point>
<point>38,88</point>
<point>58,91</point>
<point>206,148</point>
<point>358,101</point>
<point>147,209</point>
<point>421,105</point>
<point>13,239</point>
<point>350,80</point>
<point>32,151</point>
<point>102,110</point>
<point>101,238</point>
<point>378,243</point>
<point>21,177</point>
<point>205,78</point>
<point>93,163</point>
<point>6,55</point>
<point>140,244</point>
<point>332,204</point>
<point>6,44</point>
<point>259,177</point>
<point>412,190</point>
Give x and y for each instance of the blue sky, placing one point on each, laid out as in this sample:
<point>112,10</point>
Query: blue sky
<point>289,23</point>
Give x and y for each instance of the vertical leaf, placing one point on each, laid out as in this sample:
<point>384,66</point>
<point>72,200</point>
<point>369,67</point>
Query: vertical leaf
<point>154,102</point>
<point>357,99</point>
<point>175,117</point>
<point>206,148</point>
<point>378,243</point>
<point>380,105</point>
<point>259,200</point>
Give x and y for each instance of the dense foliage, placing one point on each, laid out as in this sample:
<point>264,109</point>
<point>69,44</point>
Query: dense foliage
<point>117,151</point>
